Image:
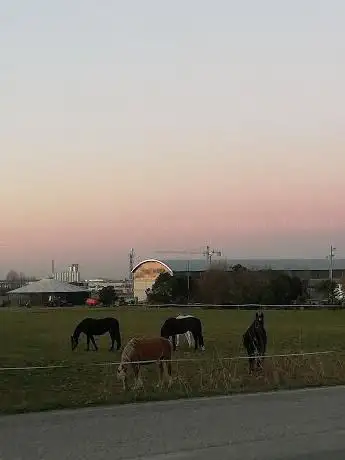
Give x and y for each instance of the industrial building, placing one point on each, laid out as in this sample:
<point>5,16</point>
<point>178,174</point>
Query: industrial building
<point>147,271</point>
<point>71,275</point>
<point>121,287</point>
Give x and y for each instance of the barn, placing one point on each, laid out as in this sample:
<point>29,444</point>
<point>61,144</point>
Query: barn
<point>39,292</point>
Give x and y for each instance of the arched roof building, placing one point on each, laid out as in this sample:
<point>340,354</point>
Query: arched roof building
<point>147,271</point>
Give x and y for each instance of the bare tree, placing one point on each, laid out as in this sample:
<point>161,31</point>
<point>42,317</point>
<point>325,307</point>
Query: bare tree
<point>12,275</point>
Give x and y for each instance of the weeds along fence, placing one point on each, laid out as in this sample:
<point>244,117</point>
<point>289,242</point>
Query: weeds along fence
<point>62,385</point>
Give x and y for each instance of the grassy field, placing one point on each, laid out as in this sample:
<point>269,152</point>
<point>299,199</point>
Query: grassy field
<point>40,337</point>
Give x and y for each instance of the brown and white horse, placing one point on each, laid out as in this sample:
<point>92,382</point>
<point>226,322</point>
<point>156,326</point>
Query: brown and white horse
<point>153,350</point>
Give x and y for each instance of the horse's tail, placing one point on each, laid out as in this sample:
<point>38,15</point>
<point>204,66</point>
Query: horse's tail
<point>167,353</point>
<point>246,341</point>
<point>199,332</point>
<point>118,340</point>
<point>117,334</point>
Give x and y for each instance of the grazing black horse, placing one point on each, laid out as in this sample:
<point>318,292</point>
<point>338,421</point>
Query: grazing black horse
<point>97,326</point>
<point>255,341</point>
<point>173,326</point>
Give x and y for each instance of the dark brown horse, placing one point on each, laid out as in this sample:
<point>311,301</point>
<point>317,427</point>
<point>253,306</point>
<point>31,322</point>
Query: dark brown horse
<point>97,326</point>
<point>173,327</point>
<point>255,342</point>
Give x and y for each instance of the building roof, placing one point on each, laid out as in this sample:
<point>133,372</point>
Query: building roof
<point>182,265</point>
<point>48,286</point>
<point>194,265</point>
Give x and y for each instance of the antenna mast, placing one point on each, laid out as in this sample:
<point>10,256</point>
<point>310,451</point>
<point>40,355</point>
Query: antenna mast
<point>209,253</point>
<point>131,258</point>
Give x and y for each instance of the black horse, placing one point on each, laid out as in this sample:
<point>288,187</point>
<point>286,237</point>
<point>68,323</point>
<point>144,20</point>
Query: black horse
<point>173,326</point>
<point>97,326</point>
<point>255,342</point>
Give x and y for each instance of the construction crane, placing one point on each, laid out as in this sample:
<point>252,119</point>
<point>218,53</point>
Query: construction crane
<point>207,252</point>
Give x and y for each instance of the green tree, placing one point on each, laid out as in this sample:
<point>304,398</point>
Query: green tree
<point>170,289</point>
<point>107,295</point>
<point>239,268</point>
<point>326,288</point>
<point>12,275</point>
<point>287,289</point>
<point>214,287</point>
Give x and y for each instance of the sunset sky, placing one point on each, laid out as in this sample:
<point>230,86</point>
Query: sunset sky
<point>169,125</point>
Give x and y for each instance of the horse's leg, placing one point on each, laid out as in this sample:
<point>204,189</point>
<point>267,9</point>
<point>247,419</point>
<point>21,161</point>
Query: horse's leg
<point>112,340</point>
<point>174,342</point>
<point>251,364</point>
<point>201,341</point>
<point>94,342</point>
<point>168,369</point>
<point>87,342</point>
<point>189,338</point>
<point>177,340</point>
<point>138,381</point>
<point>118,340</point>
<point>195,337</point>
<point>253,358</point>
<point>260,360</point>
<point>161,374</point>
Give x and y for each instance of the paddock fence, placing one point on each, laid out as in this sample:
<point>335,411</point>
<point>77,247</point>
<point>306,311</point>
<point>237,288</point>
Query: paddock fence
<point>247,306</point>
<point>176,360</point>
<point>310,307</point>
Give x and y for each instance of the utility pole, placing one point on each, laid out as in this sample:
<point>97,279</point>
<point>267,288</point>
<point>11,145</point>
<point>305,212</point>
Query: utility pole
<point>331,258</point>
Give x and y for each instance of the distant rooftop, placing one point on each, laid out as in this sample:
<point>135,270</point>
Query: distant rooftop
<point>182,265</point>
<point>47,285</point>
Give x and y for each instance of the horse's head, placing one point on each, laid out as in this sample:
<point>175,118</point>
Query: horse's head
<point>74,342</point>
<point>259,320</point>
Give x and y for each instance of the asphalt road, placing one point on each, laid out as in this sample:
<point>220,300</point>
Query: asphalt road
<point>296,425</point>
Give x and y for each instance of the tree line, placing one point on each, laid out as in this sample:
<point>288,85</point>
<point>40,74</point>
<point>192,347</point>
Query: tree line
<point>221,286</point>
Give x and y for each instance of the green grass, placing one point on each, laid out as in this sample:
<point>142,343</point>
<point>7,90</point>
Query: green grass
<point>40,337</point>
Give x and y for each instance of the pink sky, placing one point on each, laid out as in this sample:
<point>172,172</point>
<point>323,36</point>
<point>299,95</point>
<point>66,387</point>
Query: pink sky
<point>170,137</point>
